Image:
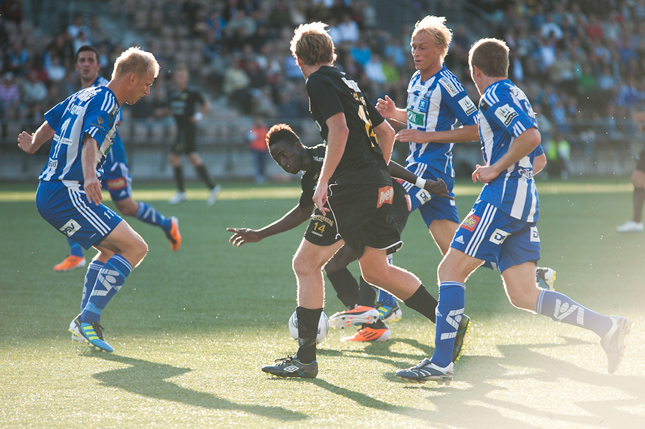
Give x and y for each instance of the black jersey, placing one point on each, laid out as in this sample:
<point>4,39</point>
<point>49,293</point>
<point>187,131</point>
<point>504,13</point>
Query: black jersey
<point>309,179</point>
<point>331,92</point>
<point>182,105</point>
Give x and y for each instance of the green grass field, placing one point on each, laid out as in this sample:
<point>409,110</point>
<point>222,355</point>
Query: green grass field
<point>192,329</point>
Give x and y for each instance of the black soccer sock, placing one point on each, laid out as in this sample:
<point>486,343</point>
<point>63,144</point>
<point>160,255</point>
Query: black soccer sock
<point>423,302</point>
<point>307,331</point>
<point>179,178</point>
<point>639,199</point>
<point>345,286</point>
<point>366,294</point>
<point>203,174</point>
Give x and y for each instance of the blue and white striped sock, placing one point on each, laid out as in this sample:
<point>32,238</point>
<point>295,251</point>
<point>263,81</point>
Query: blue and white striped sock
<point>452,298</point>
<point>561,308</point>
<point>149,214</point>
<point>108,282</point>
<point>90,280</point>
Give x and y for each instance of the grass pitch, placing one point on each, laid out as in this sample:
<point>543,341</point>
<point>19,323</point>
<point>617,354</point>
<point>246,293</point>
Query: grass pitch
<point>191,329</point>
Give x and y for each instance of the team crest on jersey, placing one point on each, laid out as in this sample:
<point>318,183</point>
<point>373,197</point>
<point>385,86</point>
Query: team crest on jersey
<point>449,86</point>
<point>385,196</point>
<point>70,228</point>
<point>506,114</point>
<point>470,222</point>
<point>498,236</point>
<point>423,105</point>
<point>116,184</point>
<point>467,105</point>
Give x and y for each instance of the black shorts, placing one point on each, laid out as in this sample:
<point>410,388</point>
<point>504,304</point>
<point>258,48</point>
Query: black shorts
<point>640,163</point>
<point>185,142</point>
<point>362,215</point>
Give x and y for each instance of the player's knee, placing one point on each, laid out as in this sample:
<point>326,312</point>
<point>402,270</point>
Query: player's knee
<point>302,266</point>
<point>139,250</point>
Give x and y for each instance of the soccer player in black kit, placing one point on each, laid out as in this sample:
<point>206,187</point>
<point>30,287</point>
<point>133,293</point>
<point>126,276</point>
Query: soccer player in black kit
<point>182,101</point>
<point>353,196</point>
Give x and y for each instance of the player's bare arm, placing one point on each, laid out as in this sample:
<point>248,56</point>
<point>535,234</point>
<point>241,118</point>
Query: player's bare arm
<point>539,163</point>
<point>91,183</point>
<point>30,143</point>
<point>435,187</point>
<point>296,216</point>
<point>521,146</point>
<point>336,141</point>
<point>464,134</point>
<point>385,137</point>
<point>387,108</point>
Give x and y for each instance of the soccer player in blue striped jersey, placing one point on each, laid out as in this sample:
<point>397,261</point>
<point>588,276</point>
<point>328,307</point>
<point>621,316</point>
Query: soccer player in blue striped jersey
<point>502,225</point>
<point>69,194</point>
<point>116,178</point>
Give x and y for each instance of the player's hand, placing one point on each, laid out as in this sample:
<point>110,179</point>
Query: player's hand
<point>24,142</point>
<point>320,197</point>
<point>243,235</point>
<point>387,107</point>
<point>415,136</point>
<point>93,191</point>
<point>437,188</point>
<point>484,173</point>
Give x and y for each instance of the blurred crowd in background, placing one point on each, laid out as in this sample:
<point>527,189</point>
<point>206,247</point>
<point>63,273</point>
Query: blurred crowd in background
<point>582,63</point>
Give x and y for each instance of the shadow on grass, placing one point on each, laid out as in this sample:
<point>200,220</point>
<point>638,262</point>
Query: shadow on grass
<point>149,379</point>
<point>482,382</point>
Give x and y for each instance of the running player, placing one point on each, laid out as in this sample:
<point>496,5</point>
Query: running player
<point>353,197</point>
<point>502,226</point>
<point>437,103</point>
<point>183,101</point>
<point>69,193</point>
<point>638,182</point>
<point>292,156</point>
<point>116,179</point>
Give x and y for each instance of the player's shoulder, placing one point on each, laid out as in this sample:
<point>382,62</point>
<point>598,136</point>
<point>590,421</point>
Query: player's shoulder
<point>449,82</point>
<point>317,152</point>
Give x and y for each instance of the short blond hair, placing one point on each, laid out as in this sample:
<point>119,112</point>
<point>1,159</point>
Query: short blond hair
<point>490,56</point>
<point>435,26</point>
<point>135,60</point>
<point>312,44</point>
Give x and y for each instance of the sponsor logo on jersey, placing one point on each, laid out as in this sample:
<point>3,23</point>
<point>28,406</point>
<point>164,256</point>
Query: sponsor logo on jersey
<point>535,236</point>
<point>116,184</point>
<point>506,114</point>
<point>416,118</point>
<point>498,236</point>
<point>470,222</point>
<point>385,196</point>
<point>70,227</point>
<point>459,240</point>
<point>467,105</point>
<point>53,163</point>
<point>526,173</point>
<point>449,86</point>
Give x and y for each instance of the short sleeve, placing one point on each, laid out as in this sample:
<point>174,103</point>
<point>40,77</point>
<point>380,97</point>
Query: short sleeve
<point>54,114</point>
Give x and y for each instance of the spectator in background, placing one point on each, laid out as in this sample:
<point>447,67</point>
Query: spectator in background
<point>9,97</point>
<point>348,29</point>
<point>17,59</point>
<point>258,147</point>
<point>33,90</point>
<point>361,52</point>
<point>77,26</point>
<point>55,70</point>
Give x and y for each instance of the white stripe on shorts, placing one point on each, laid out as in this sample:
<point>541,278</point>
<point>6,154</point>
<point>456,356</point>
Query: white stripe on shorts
<point>481,230</point>
<point>77,200</point>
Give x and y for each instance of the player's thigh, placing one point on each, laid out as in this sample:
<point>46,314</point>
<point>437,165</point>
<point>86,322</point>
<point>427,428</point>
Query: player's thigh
<point>310,258</point>
<point>126,242</point>
<point>341,259</point>
<point>442,231</point>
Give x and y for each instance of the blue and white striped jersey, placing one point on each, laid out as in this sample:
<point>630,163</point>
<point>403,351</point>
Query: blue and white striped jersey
<point>93,111</point>
<point>117,153</point>
<point>504,113</point>
<point>437,105</point>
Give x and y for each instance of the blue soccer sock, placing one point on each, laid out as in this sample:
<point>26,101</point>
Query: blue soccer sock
<point>452,298</point>
<point>75,249</point>
<point>561,308</point>
<point>90,280</point>
<point>386,298</point>
<point>149,214</point>
<point>108,282</point>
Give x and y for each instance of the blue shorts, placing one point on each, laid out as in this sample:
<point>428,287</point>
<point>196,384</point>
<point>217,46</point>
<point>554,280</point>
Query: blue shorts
<point>493,236</point>
<point>116,177</point>
<point>64,205</point>
<point>432,208</point>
